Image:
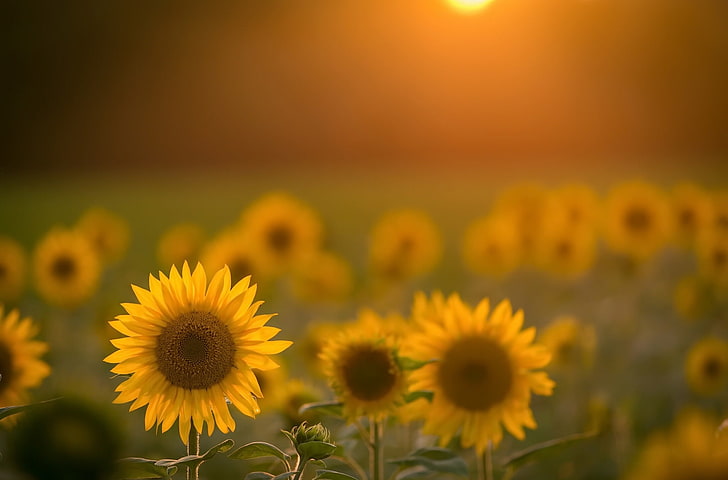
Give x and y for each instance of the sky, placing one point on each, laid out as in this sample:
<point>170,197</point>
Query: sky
<point>106,86</point>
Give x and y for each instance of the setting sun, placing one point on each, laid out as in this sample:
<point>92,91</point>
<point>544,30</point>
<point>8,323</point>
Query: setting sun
<point>469,6</point>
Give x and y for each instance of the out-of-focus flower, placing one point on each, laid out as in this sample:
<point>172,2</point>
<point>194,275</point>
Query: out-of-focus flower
<point>190,347</point>
<point>576,204</point>
<point>309,347</point>
<point>526,204</point>
<point>693,212</point>
<point>712,253</point>
<point>706,366</point>
<point>231,248</point>
<point>13,269</point>
<point>720,212</point>
<point>483,376</point>
<point>491,246</point>
<point>692,298</point>
<point>566,250</point>
<point>570,342</point>
<point>324,277</point>
<point>66,268</point>
<point>107,232</point>
<point>180,243</point>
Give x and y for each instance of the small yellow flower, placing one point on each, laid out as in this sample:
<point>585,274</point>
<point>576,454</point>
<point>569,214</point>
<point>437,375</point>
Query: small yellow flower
<point>309,348</point>
<point>566,250</point>
<point>720,212</point>
<point>691,298</point>
<point>577,204</point>
<point>180,243</point>
<point>107,232</point>
<point>526,204</point>
<point>570,342</point>
<point>325,277</point>
<point>66,268</point>
<point>693,212</point>
<point>712,252</point>
<point>491,246</point>
<point>13,269</point>
<point>706,366</point>
<point>232,249</point>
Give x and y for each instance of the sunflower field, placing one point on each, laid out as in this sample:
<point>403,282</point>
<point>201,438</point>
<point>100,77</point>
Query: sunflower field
<point>394,328</point>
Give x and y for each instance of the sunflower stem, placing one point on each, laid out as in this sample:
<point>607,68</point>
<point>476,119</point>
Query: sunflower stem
<point>485,463</point>
<point>376,465</point>
<point>193,448</point>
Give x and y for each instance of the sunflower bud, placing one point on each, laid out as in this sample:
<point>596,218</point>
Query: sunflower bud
<point>311,441</point>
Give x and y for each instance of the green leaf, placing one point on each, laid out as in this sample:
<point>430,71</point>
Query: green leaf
<point>521,457</point>
<point>259,476</point>
<point>260,449</point>
<point>415,473</point>
<point>417,394</point>
<point>406,363</point>
<point>136,467</point>
<point>434,459</point>
<point>316,450</point>
<point>324,474</point>
<point>335,409</point>
<point>12,410</point>
<point>192,460</point>
<point>284,476</point>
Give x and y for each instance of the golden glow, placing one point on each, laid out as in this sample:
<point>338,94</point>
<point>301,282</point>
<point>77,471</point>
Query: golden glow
<point>469,6</point>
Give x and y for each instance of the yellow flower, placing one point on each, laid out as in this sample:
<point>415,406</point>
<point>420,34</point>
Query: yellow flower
<point>317,334</point>
<point>13,267</point>
<point>180,243</point>
<point>693,212</point>
<point>691,449</point>
<point>107,232</point>
<point>322,278</point>
<point>190,348</point>
<point>526,204</point>
<point>491,246</point>
<point>706,366</point>
<point>482,375</point>
<point>577,204</point>
<point>20,364</point>
<point>566,250</point>
<point>720,212</point>
<point>637,219</point>
<point>66,268</point>
<point>712,252</point>
<point>282,231</point>
<point>231,248</point>
<point>362,368</point>
<point>295,393</point>
<point>691,298</point>
<point>404,244</point>
<point>570,341</point>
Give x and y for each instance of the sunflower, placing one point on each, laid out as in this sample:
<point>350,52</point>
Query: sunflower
<point>404,244</point>
<point>706,366</point>
<point>491,246</point>
<point>637,220</point>
<point>482,375</point>
<point>566,250</point>
<point>309,348</point>
<point>13,266</point>
<point>180,243</point>
<point>230,248</point>
<point>691,449</point>
<point>20,365</point>
<point>693,212</point>
<point>712,252</point>
<point>107,232</point>
<point>692,298</point>
<point>526,204</point>
<point>362,367</point>
<point>282,231</point>
<point>720,212</point>
<point>190,348</point>
<point>325,277</point>
<point>576,203</point>
<point>295,393</point>
<point>66,268</point>
<point>570,341</point>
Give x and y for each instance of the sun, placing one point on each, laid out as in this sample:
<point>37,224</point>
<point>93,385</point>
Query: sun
<point>469,6</point>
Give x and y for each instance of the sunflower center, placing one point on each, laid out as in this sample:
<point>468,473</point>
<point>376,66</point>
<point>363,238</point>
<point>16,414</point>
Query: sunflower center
<point>280,238</point>
<point>720,258</point>
<point>637,219</point>
<point>687,218</point>
<point>63,267</point>
<point>369,372</point>
<point>195,351</point>
<point>475,373</point>
<point>6,367</point>
<point>239,268</point>
<point>563,249</point>
<point>3,271</point>
<point>712,367</point>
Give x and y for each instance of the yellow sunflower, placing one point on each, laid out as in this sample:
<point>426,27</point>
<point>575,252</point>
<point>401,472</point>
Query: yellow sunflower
<point>362,368</point>
<point>637,220</point>
<point>566,250</point>
<point>570,341</point>
<point>295,393</point>
<point>180,243</point>
<point>706,366</point>
<point>712,253</point>
<point>325,277</point>
<point>231,248</point>
<point>190,347</point>
<point>107,232</point>
<point>526,204</point>
<point>404,244</point>
<point>13,269</point>
<point>482,375</point>
<point>692,210</point>
<point>20,364</point>
<point>491,246</point>
<point>66,268</point>
<point>282,231</point>
<point>691,449</point>
<point>576,203</point>
<point>720,212</point>
<point>691,298</point>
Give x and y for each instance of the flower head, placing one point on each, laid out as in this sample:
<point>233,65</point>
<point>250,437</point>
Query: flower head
<point>13,266</point>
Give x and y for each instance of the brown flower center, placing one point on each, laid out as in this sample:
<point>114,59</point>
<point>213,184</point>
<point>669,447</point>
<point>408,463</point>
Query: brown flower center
<point>6,367</point>
<point>240,268</point>
<point>63,267</point>
<point>564,249</point>
<point>195,351</point>
<point>280,238</point>
<point>475,373</point>
<point>712,367</point>
<point>637,219</point>
<point>369,372</point>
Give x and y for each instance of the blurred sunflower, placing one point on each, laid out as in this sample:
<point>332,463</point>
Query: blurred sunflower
<point>180,243</point>
<point>566,250</point>
<point>66,268</point>
<point>570,342</point>
<point>309,347</point>
<point>20,365</point>
<point>295,393</point>
<point>690,449</point>
<point>271,383</point>
<point>362,367</point>
<point>324,277</point>
<point>712,253</point>
<point>491,246</point>
<point>637,220</point>
<point>483,374</point>
<point>107,232</point>
<point>693,212</point>
<point>190,348</point>
<point>282,231</point>
<point>706,366</point>
<point>404,244</point>
<point>231,248</point>
<point>692,298</point>
<point>576,204</point>
<point>13,269</point>
<point>526,204</point>
<point>720,212</point>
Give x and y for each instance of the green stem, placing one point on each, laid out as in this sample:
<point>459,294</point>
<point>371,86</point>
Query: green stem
<point>376,465</point>
<point>300,465</point>
<point>193,448</point>
<point>485,463</point>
